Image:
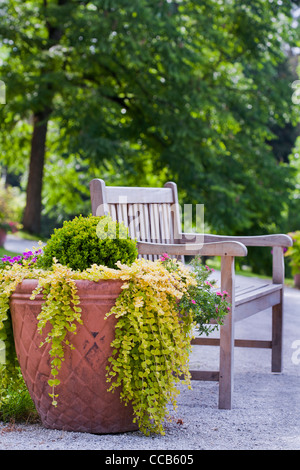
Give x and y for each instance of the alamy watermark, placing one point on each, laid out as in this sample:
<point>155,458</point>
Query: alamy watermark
<point>2,92</point>
<point>296,94</point>
<point>166,222</point>
<point>296,353</point>
<point>2,353</point>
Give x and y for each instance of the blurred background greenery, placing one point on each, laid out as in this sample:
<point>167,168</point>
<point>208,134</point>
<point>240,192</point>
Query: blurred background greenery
<point>140,92</point>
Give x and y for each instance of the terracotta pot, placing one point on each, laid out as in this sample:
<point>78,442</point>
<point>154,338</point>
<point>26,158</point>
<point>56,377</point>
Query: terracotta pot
<point>2,237</point>
<point>297,280</point>
<point>84,404</point>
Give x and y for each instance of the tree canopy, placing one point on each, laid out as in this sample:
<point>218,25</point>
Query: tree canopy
<point>140,92</point>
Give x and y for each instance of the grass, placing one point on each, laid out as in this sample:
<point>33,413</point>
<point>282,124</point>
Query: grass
<point>4,252</point>
<point>17,406</point>
<point>29,236</point>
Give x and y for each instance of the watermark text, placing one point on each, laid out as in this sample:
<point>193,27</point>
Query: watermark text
<point>2,92</point>
<point>296,353</point>
<point>158,223</point>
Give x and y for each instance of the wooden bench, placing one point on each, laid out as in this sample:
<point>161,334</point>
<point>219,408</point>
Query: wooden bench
<point>153,218</point>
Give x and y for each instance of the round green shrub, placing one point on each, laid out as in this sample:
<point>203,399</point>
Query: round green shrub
<point>84,241</point>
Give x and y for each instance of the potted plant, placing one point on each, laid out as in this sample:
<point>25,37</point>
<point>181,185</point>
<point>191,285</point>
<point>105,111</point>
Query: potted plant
<point>294,253</point>
<point>115,329</point>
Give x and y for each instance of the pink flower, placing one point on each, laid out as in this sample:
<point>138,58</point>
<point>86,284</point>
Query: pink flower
<point>193,301</point>
<point>209,269</point>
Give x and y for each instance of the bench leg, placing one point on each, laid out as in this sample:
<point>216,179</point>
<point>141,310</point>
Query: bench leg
<point>277,310</point>
<point>226,364</point>
<point>227,337</point>
<point>277,324</point>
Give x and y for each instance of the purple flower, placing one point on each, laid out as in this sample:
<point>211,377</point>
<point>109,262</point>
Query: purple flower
<point>26,255</point>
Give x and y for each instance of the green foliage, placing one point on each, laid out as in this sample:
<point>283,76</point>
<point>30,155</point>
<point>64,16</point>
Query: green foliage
<point>84,241</point>
<point>293,252</point>
<point>190,91</point>
<point>16,404</point>
<point>292,214</point>
<point>204,300</point>
<point>9,366</point>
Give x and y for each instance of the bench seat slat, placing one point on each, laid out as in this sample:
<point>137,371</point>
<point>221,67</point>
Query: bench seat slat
<point>125,195</point>
<point>256,292</point>
<point>261,298</point>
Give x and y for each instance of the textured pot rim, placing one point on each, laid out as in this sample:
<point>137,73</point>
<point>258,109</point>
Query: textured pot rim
<point>80,282</point>
<point>85,288</point>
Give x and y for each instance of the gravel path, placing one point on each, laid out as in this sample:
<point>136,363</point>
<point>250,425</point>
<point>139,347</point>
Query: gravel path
<point>19,245</point>
<point>265,415</point>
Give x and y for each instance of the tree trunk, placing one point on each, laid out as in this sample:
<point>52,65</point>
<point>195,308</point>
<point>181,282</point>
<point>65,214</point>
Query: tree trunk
<point>32,213</point>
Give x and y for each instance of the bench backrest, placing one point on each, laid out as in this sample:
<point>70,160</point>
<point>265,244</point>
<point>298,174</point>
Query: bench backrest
<point>151,214</point>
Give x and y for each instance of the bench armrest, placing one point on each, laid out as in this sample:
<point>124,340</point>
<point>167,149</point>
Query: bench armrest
<point>227,248</point>
<point>255,240</point>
